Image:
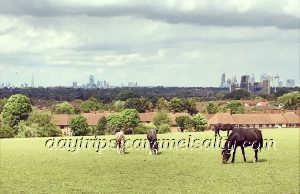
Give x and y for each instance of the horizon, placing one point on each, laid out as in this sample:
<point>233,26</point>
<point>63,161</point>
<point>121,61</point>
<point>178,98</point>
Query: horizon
<point>174,43</point>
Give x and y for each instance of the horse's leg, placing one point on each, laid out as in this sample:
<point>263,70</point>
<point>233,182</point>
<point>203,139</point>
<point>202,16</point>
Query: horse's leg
<point>256,158</point>
<point>233,155</point>
<point>227,133</point>
<point>243,152</point>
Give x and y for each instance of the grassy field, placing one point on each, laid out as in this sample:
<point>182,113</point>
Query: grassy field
<point>28,166</point>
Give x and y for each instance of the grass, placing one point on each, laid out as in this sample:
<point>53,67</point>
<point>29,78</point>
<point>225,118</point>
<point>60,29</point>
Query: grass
<point>28,166</point>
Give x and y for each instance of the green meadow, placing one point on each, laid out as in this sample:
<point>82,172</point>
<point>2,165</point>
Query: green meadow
<point>28,166</point>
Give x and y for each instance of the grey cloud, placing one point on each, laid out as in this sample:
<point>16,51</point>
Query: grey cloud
<point>210,16</point>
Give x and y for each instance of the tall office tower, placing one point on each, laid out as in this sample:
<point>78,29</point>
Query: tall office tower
<point>223,81</point>
<point>266,86</point>
<point>245,82</point>
<point>91,81</point>
<point>32,81</point>
<point>290,83</point>
<point>252,80</point>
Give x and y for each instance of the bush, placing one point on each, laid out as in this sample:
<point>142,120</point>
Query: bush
<point>184,122</point>
<point>25,130</point>
<point>164,128</point>
<point>236,107</point>
<point>160,118</point>
<point>92,104</point>
<point>41,121</point>
<point>63,108</point>
<point>101,126</point>
<point>200,122</point>
<point>143,128</point>
<point>6,131</point>
<point>79,126</point>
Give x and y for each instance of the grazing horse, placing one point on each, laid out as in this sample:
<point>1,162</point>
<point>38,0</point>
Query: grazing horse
<point>152,138</point>
<point>120,142</point>
<point>222,127</point>
<point>242,137</point>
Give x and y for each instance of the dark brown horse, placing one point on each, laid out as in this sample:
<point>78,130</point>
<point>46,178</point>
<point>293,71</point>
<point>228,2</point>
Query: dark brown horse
<point>222,127</point>
<point>242,137</point>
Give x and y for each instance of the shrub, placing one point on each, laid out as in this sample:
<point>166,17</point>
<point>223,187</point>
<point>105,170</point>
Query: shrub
<point>79,126</point>
<point>160,118</point>
<point>143,128</point>
<point>63,108</point>
<point>184,122</point>
<point>164,128</point>
<point>101,126</point>
<point>6,131</point>
<point>200,122</point>
<point>25,130</point>
<point>92,104</point>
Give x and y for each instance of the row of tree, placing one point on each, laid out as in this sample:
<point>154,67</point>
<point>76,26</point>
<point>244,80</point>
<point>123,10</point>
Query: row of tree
<point>128,120</point>
<point>140,104</point>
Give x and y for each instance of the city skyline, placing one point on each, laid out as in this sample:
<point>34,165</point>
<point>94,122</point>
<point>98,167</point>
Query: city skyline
<point>172,43</point>
<point>92,81</point>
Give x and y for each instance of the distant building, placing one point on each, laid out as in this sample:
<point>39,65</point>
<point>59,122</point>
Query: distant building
<point>245,82</point>
<point>91,83</point>
<point>266,86</point>
<point>223,81</point>
<point>290,83</point>
<point>74,85</point>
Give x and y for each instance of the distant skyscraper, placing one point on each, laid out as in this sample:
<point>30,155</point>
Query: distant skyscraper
<point>32,81</point>
<point>290,83</point>
<point>252,80</point>
<point>74,85</point>
<point>92,81</point>
<point>245,84</point>
<point>223,81</point>
<point>266,86</point>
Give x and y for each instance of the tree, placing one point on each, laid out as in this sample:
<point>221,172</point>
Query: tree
<point>143,128</point>
<point>16,109</point>
<point>63,108</point>
<point>130,119</point>
<point>114,123</point>
<point>190,106</point>
<point>164,128</point>
<point>184,122</point>
<point>6,131</point>
<point>160,118</point>
<point>236,107</point>
<point>2,103</point>
<point>92,104</point>
<point>176,105</point>
<point>238,95</point>
<point>200,122</point>
<point>140,104</point>
<point>119,105</point>
<point>211,108</point>
<point>125,94</point>
<point>79,126</point>
<point>162,104</point>
<point>290,100</point>
<point>41,121</point>
<point>101,126</point>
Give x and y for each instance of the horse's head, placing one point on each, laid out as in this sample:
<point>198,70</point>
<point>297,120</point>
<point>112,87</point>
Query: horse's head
<point>226,155</point>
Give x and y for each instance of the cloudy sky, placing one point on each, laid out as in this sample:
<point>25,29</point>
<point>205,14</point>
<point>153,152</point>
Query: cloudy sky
<point>169,43</point>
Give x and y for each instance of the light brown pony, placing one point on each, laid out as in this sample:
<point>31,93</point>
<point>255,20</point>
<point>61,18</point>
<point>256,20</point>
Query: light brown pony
<point>120,142</point>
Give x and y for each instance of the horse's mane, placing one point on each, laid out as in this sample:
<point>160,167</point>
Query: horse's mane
<point>229,141</point>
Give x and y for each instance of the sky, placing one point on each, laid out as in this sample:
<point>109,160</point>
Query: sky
<point>166,43</point>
